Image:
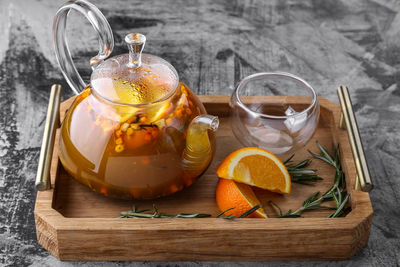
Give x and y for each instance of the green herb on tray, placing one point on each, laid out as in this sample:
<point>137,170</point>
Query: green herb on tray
<point>336,193</point>
<point>300,174</point>
<point>135,213</point>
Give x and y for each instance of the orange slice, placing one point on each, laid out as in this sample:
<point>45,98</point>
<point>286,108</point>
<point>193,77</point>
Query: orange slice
<point>238,196</point>
<point>257,167</point>
<point>162,110</point>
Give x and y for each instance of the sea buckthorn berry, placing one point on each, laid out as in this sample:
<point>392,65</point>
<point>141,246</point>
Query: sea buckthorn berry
<point>188,180</point>
<point>131,119</point>
<point>118,133</point>
<point>188,111</point>
<point>168,121</point>
<point>103,190</point>
<point>124,127</point>
<point>119,148</point>
<point>147,137</point>
<point>129,131</point>
<point>183,90</point>
<point>119,141</point>
<point>135,127</point>
<point>179,113</point>
<point>190,104</point>
<point>143,119</point>
<point>173,188</point>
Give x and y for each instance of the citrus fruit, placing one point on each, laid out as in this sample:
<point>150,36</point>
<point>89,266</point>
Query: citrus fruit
<point>241,197</point>
<point>257,167</point>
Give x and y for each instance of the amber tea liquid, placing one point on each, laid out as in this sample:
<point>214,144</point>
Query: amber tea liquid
<point>127,152</point>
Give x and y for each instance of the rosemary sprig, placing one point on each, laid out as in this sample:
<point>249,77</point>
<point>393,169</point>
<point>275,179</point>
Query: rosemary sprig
<point>223,216</point>
<point>135,213</point>
<point>340,210</point>
<point>313,202</point>
<point>338,190</point>
<point>300,174</point>
<point>336,193</point>
<point>250,211</point>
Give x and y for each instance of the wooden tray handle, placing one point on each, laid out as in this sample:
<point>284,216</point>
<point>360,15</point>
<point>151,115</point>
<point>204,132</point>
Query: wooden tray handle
<point>348,121</point>
<point>46,152</point>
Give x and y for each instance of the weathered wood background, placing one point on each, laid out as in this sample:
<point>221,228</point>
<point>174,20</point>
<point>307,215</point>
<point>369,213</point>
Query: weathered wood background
<point>213,44</point>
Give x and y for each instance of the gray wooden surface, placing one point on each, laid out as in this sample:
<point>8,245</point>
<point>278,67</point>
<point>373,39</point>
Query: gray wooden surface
<point>213,44</point>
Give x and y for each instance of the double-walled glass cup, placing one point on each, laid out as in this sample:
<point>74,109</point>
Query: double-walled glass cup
<point>277,111</point>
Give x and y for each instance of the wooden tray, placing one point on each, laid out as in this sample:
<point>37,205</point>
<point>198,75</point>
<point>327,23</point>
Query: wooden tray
<point>74,223</point>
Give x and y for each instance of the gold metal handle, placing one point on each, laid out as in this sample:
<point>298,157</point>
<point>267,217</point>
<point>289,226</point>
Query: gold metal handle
<point>348,121</point>
<point>46,152</point>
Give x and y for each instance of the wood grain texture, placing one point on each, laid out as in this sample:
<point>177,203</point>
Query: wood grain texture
<point>212,44</point>
<point>74,223</point>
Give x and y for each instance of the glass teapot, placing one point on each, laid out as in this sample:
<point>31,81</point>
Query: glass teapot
<point>135,131</point>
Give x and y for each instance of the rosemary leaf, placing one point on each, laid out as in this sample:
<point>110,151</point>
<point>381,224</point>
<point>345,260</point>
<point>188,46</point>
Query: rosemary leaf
<point>339,197</point>
<point>227,217</point>
<point>319,157</point>
<point>288,160</point>
<point>141,211</point>
<point>290,214</point>
<point>250,211</point>
<point>310,198</point>
<point>326,155</point>
<point>279,208</point>
<point>195,215</point>
<point>300,174</point>
<point>223,216</point>
<point>339,210</point>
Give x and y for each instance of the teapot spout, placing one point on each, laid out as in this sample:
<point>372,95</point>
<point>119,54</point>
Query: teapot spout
<point>198,152</point>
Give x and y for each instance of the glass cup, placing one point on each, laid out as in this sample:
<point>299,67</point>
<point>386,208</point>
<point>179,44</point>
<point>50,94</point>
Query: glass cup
<point>277,111</point>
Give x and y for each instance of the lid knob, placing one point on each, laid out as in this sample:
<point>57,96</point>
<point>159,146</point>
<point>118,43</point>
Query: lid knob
<point>135,42</point>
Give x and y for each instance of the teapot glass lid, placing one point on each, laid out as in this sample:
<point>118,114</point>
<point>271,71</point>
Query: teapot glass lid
<point>134,78</point>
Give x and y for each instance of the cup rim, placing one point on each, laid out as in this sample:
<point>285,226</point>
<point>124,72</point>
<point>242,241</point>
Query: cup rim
<point>257,76</point>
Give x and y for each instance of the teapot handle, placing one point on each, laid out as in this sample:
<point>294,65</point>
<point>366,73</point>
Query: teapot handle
<point>99,23</point>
